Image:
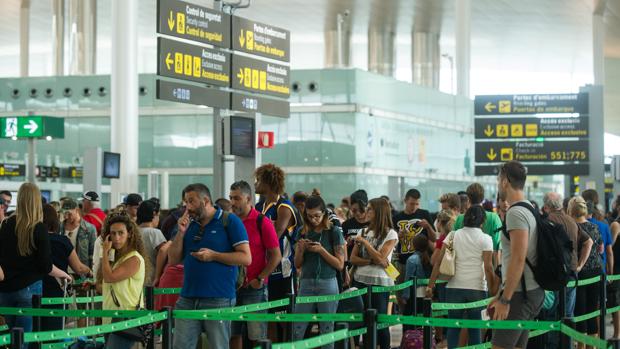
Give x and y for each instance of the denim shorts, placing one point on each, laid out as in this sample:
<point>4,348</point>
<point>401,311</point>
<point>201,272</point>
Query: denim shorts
<point>246,296</point>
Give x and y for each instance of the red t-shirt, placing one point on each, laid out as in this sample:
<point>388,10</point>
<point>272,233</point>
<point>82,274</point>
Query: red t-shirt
<point>91,217</point>
<point>439,242</point>
<point>259,244</point>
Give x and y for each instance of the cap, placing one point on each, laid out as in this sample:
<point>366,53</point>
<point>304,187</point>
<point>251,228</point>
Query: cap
<point>90,196</point>
<point>68,204</point>
<point>133,199</point>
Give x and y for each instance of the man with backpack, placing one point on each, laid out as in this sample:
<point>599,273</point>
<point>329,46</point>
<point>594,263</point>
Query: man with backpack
<point>265,250</point>
<point>521,297</point>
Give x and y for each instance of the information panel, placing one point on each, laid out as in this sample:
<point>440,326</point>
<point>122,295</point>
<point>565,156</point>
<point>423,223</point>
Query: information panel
<point>548,127</point>
<point>193,22</point>
<point>192,63</point>
<point>530,151</point>
<point>258,76</point>
<point>192,94</point>
<point>252,103</point>
<point>531,104</point>
<point>261,39</point>
<point>537,169</point>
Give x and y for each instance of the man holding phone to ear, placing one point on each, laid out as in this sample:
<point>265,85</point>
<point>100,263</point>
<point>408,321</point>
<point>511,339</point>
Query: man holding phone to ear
<point>212,245</point>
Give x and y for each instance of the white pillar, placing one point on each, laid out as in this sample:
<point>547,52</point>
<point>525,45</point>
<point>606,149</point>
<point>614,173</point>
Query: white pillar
<point>24,37</point>
<point>124,94</point>
<point>463,46</point>
<point>598,47</point>
<point>58,36</point>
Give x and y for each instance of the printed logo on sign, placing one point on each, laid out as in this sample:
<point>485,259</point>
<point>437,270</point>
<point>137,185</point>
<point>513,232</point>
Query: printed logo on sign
<point>504,107</point>
<point>11,127</point>
<point>409,229</point>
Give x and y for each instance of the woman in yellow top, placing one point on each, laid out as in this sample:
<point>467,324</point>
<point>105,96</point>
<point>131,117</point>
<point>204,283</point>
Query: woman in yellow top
<point>123,279</point>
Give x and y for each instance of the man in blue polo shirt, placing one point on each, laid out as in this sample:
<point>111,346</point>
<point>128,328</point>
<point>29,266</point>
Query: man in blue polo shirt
<point>211,246</point>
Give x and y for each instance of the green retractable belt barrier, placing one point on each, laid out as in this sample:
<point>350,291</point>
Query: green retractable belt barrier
<point>461,323</point>
<point>70,300</point>
<point>75,313</point>
<point>584,282</point>
<point>159,291</point>
<point>202,315</point>
<point>331,298</point>
<point>460,306</point>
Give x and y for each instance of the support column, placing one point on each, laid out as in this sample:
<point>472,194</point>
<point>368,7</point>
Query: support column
<point>338,34</point>
<point>24,37</point>
<point>82,36</point>
<point>381,51</point>
<point>598,42</point>
<point>463,47</point>
<point>425,59</point>
<point>596,178</point>
<point>58,36</point>
<point>124,96</point>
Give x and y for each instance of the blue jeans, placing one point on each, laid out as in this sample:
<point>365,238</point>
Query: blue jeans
<point>380,302</point>
<point>20,299</point>
<point>247,296</point>
<point>571,297</point>
<point>461,295</point>
<point>316,287</point>
<point>114,341</point>
<point>187,332</point>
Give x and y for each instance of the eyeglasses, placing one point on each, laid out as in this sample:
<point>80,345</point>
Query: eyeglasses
<point>316,216</point>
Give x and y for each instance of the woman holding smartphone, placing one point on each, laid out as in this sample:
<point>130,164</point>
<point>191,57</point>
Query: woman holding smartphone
<point>372,254</point>
<point>123,279</point>
<point>319,255</point>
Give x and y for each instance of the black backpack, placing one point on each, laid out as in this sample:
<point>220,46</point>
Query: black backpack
<point>554,251</point>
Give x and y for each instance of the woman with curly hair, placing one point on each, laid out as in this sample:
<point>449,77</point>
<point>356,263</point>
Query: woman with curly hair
<point>123,279</point>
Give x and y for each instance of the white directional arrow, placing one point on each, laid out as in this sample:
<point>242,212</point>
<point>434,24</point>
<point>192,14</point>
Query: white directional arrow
<point>32,126</point>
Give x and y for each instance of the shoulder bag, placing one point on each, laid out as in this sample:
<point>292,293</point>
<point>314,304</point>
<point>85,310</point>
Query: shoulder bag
<point>448,262</point>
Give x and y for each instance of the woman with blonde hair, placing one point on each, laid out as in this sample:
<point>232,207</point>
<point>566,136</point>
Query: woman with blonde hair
<point>123,279</point>
<point>25,255</point>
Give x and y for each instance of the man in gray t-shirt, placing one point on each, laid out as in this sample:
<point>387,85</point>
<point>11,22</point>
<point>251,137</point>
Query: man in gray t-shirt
<point>512,303</point>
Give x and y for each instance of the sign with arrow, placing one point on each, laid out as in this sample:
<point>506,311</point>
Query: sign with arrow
<point>262,77</point>
<point>185,93</point>
<point>193,63</point>
<point>188,21</point>
<point>258,104</point>
<point>532,104</point>
<point>548,127</point>
<point>529,151</point>
<point>538,170</point>
<point>261,39</point>
<point>32,127</point>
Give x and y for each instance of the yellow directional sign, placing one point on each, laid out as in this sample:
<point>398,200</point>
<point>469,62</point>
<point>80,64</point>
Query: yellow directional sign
<point>261,77</point>
<point>489,107</point>
<point>506,154</point>
<point>193,63</point>
<point>531,130</point>
<point>171,22</point>
<point>516,130</point>
<point>261,39</point>
<point>241,39</point>
<point>502,130</point>
<point>489,131</point>
<point>193,22</point>
<point>491,155</point>
<point>504,107</point>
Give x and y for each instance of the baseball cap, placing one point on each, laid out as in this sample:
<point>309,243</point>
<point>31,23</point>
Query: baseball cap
<point>90,196</point>
<point>68,204</point>
<point>133,199</point>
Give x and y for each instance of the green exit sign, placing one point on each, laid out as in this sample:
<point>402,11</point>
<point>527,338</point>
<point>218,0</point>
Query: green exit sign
<point>32,127</point>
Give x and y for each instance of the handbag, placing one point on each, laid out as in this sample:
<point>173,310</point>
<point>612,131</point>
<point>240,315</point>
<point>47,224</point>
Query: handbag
<point>448,262</point>
<point>140,333</point>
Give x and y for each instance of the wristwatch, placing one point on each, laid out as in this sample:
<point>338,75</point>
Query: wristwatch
<point>504,301</point>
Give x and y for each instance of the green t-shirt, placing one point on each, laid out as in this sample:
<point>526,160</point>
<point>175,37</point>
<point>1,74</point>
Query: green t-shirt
<point>315,267</point>
<point>492,226</point>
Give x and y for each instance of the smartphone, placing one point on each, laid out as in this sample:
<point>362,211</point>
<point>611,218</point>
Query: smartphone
<point>488,313</point>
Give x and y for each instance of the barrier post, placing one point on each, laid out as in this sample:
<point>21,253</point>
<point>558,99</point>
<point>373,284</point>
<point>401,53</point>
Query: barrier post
<point>290,326</point>
<point>17,338</point>
<point>343,344</point>
<point>149,300</point>
<point>368,301</point>
<point>370,320</point>
<point>413,294</point>
<point>603,305</point>
<point>427,331</point>
<point>565,340</point>
<point>166,329</point>
<point>562,303</point>
<point>264,343</point>
<point>36,320</point>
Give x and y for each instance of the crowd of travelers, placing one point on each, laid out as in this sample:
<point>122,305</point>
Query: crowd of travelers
<point>261,245</point>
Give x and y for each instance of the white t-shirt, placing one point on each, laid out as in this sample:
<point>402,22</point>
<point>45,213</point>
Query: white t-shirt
<point>152,239</point>
<point>374,274</point>
<point>97,253</point>
<point>469,243</point>
<point>72,235</point>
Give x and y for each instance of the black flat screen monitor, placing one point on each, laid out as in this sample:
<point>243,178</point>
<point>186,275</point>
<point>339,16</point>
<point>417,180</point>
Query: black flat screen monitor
<point>242,138</point>
<point>111,165</point>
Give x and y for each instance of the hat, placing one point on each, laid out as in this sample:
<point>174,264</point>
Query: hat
<point>68,205</point>
<point>133,199</point>
<point>90,196</point>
